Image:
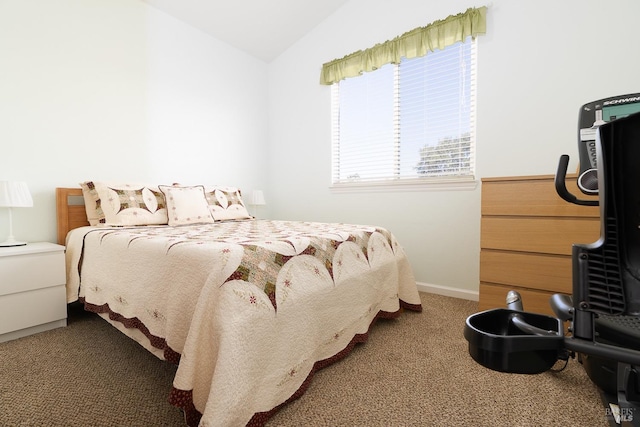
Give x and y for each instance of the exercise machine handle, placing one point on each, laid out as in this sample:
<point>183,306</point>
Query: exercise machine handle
<point>561,187</point>
<point>562,306</point>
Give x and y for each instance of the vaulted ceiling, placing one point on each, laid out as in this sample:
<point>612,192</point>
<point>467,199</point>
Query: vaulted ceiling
<point>262,28</point>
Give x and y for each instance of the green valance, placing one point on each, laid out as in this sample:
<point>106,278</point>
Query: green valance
<point>417,42</point>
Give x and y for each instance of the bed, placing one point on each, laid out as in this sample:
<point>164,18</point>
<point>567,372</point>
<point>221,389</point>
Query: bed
<point>249,309</point>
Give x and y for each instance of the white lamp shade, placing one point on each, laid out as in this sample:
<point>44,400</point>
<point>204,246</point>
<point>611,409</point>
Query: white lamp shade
<point>15,194</point>
<point>257,198</point>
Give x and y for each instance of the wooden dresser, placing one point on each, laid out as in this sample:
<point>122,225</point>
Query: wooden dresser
<point>527,232</point>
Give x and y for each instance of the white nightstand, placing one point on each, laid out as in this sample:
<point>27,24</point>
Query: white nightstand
<point>32,289</point>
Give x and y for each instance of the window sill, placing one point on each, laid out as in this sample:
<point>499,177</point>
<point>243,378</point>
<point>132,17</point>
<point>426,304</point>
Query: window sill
<point>447,184</point>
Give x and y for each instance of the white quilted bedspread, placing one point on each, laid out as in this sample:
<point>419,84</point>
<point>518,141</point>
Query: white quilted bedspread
<point>247,307</point>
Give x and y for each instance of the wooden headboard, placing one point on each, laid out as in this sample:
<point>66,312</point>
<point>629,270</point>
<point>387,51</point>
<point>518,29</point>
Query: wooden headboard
<point>70,211</point>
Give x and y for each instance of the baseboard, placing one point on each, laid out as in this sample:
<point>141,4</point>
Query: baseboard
<point>448,291</point>
<point>21,333</point>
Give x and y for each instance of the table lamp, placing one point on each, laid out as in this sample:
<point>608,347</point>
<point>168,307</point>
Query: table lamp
<point>257,199</point>
<point>14,194</point>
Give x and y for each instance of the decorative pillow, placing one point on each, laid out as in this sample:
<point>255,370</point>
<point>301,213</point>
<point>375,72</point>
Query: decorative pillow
<point>186,205</point>
<point>124,204</point>
<point>226,203</point>
<point>92,203</point>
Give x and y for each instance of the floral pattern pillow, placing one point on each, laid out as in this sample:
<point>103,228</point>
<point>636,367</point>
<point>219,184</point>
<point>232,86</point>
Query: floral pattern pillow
<point>225,203</point>
<point>123,204</point>
<point>92,203</point>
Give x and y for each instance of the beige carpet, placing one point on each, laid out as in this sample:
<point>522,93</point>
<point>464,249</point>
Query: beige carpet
<point>413,371</point>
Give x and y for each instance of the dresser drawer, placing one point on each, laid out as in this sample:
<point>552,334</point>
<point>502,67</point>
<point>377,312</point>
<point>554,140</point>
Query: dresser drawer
<point>31,271</point>
<point>537,234</point>
<point>532,196</point>
<point>534,301</point>
<point>527,270</point>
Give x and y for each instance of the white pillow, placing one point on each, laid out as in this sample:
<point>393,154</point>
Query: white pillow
<point>186,205</point>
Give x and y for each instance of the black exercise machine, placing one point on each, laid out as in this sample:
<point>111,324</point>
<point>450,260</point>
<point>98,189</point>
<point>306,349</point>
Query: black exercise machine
<point>604,309</point>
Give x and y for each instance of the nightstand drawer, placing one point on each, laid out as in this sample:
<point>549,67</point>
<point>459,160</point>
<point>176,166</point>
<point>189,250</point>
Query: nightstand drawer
<point>31,271</point>
<point>32,289</point>
<point>36,307</point>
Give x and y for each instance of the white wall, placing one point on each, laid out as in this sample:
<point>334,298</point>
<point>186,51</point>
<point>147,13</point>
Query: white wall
<point>117,90</point>
<point>538,63</point>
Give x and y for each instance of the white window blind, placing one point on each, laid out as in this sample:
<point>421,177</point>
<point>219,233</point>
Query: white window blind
<point>413,121</point>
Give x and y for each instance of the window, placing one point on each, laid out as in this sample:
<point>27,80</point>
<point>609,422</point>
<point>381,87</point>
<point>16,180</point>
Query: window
<point>407,123</point>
